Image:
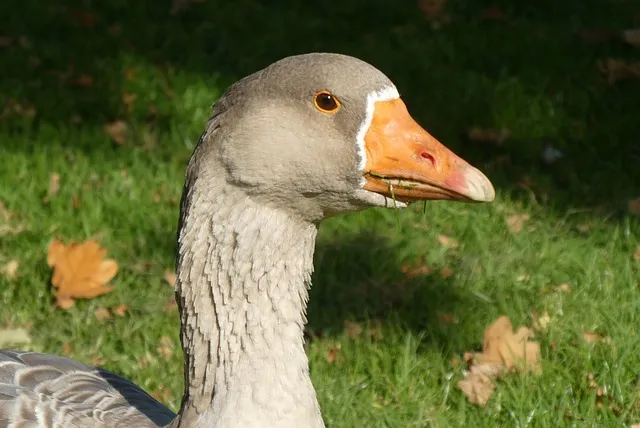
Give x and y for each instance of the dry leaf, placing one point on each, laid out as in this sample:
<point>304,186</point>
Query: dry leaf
<point>634,206</point>
<point>10,270</point>
<point>84,81</point>
<point>615,70</point>
<point>447,241</point>
<point>352,329</point>
<point>632,37</point>
<point>170,277</point>
<point>431,8</point>
<point>503,351</point>
<point>117,131</point>
<point>13,337</point>
<point>516,222</point>
<point>102,314</point>
<point>66,348</point>
<point>541,323</point>
<point>636,254</point>
<point>591,35</point>
<point>415,271</point>
<point>446,273</point>
<point>79,271</point>
<point>490,136</point>
<point>166,347</point>
<point>595,338</point>
<point>128,99</point>
<point>120,310</point>
<point>333,354</point>
<point>54,187</point>
<point>493,13</point>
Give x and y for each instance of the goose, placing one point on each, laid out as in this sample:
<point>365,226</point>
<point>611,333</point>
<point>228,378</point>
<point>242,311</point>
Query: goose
<point>308,137</point>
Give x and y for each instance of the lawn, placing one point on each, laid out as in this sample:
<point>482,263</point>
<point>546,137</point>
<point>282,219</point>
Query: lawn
<point>392,309</point>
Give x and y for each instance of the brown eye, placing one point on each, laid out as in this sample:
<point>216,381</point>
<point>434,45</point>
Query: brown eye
<point>326,103</point>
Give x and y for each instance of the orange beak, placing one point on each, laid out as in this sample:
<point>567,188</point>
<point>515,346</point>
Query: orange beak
<point>406,163</point>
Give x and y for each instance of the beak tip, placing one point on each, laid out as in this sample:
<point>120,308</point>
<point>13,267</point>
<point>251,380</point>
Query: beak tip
<point>479,188</point>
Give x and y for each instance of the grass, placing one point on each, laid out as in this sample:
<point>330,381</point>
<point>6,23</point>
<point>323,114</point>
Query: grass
<point>72,69</point>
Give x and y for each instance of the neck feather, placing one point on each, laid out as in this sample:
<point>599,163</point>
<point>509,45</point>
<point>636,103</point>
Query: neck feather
<point>243,276</point>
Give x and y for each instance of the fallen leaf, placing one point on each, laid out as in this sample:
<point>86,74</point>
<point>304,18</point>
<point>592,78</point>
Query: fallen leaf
<point>516,222</point>
<point>5,41</point>
<point>636,254</point>
<point>117,130</point>
<point>102,314</point>
<point>333,354</point>
<point>632,37</point>
<point>166,347</point>
<point>120,310</point>
<point>489,136</point>
<point>431,8</point>
<point>14,337</point>
<point>592,35</point>
<point>615,70</point>
<point>352,329</point>
<point>447,241</point>
<point>493,13</point>
<point>84,81</point>
<point>541,323</point>
<point>415,271</point>
<point>634,206</point>
<point>447,318</point>
<point>503,351</point>
<point>128,99</point>
<point>79,271</point>
<point>446,273</point>
<point>54,187</point>
<point>594,338</point>
<point>10,270</point>
<point>66,348</point>
<point>170,277</point>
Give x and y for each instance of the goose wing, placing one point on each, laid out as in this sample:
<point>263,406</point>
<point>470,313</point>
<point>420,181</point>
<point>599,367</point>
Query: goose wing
<point>46,391</point>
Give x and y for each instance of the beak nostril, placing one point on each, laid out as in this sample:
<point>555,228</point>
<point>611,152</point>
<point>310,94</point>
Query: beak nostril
<point>429,157</point>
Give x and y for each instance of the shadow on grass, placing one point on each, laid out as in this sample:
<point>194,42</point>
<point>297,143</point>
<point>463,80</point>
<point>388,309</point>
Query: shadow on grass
<point>527,72</point>
<point>359,279</point>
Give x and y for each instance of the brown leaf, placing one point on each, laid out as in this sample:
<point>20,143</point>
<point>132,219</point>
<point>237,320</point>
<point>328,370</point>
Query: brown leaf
<point>352,329</point>
<point>120,310</point>
<point>102,314</point>
<point>478,385</point>
<point>117,130</point>
<point>5,41</point>
<point>516,222</point>
<point>634,206</point>
<point>10,270</point>
<point>66,348</point>
<point>595,338</point>
<point>632,37</point>
<point>615,70</point>
<point>541,322</point>
<point>79,271</point>
<point>415,271</point>
<point>166,347</point>
<point>503,351</point>
<point>54,187</point>
<point>446,273</point>
<point>431,8</point>
<point>84,81</point>
<point>170,277</point>
<point>333,354</point>
<point>447,241</point>
<point>636,254</point>
<point>489,136</point>
<point>493,13</point>
<point>128,99</point>
<point>592,35</point>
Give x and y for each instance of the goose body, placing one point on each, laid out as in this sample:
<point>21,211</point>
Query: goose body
<point>308,137</point>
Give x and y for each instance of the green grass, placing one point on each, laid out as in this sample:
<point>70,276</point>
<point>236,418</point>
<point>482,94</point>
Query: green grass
<point>530,74</point>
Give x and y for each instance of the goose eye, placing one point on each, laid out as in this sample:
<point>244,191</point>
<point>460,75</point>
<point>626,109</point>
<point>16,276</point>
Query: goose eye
<point>326,103</point>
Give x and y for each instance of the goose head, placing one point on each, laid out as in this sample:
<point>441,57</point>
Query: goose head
<point>322,134</point>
